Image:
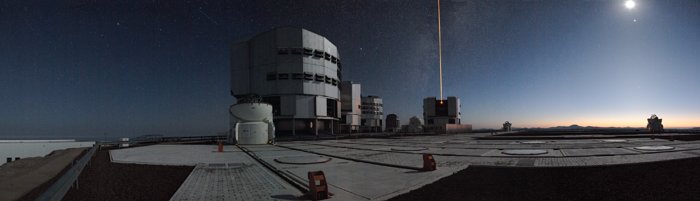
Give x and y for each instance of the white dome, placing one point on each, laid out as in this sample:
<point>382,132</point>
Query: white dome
<point>251,112</point>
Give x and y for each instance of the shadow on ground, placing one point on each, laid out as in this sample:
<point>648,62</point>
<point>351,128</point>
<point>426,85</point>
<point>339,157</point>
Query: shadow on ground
<point>103,180</point>
<point>667,180</point>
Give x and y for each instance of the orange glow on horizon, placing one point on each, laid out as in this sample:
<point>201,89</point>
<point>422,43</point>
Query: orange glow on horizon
<point>669,121</point>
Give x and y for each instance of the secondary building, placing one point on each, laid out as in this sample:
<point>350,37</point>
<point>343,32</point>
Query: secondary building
<point>296,71</point>
<point>372,113</point>
<point>350,107</point>
<point>392,123</point>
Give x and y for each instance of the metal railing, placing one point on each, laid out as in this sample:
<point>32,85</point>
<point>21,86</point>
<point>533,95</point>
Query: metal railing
<point>60,187</point>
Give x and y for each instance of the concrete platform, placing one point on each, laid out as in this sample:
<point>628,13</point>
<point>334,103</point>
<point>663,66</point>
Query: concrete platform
<point>377,169</point>
<point>190,155</point>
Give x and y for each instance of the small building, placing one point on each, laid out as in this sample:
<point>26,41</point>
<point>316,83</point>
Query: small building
<point>350,112</point>
<point>654,124</point>
<point>507,126</point>
<point>392,123</point>
<point>372,113</point>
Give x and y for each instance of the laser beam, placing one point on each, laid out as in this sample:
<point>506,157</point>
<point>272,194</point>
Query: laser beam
<point>440,49</point>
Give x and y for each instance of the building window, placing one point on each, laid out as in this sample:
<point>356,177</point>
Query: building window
<point>284,76</point>
<point>297,76</point>
<point>319,77</point>
<point>332,108</point>
<point>318,53</point>
<point>327,56</point>
<point>275,102</point>
<point>308,51</point>
<point>334,60</point>
<point>308,76</point>
<point>282,50</point>
<point>452,121</point>
<point>334,82</point>
<point>296,50</point>
<point>328,80</point>
<point>271,76</point>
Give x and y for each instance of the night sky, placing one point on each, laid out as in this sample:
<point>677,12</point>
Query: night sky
<point>96,68</point>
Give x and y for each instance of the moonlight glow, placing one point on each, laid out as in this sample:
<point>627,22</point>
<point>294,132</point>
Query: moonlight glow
<point>629,4</point>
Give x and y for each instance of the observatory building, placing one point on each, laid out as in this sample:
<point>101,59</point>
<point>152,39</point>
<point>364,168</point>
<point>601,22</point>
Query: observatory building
<point>654,124</point>
<point>441,112</point>
<point>443,116</point>
<point>294,70</point>
<point>507,126</point>
<point>392,123</point>
<point>350,107</point>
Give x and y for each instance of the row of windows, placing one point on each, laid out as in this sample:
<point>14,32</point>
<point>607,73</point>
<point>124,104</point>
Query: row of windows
<point>370,107</point>
<point>372,112</point>
<point>303,76</point>
<point>275,101</point>
<point>309,52</point>
<point>373,104</point>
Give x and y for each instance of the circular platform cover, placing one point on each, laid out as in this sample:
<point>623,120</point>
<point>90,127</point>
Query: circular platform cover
<point>302,160</point>
<point>525,152</point>
<point>533,142</point>
<point>408,148</point>
<point>654,148</point>
<point>615,140</point>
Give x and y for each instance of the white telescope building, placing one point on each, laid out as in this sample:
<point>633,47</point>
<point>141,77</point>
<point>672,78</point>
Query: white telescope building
<point>294,70</point>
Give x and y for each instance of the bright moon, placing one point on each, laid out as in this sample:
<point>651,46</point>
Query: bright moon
<point>630,4</point>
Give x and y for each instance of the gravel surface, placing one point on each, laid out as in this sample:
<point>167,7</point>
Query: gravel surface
<point>668,180</point>
<point>103,180</point>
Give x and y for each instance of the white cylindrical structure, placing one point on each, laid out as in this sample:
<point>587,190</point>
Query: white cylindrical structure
<point>252,123</point>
